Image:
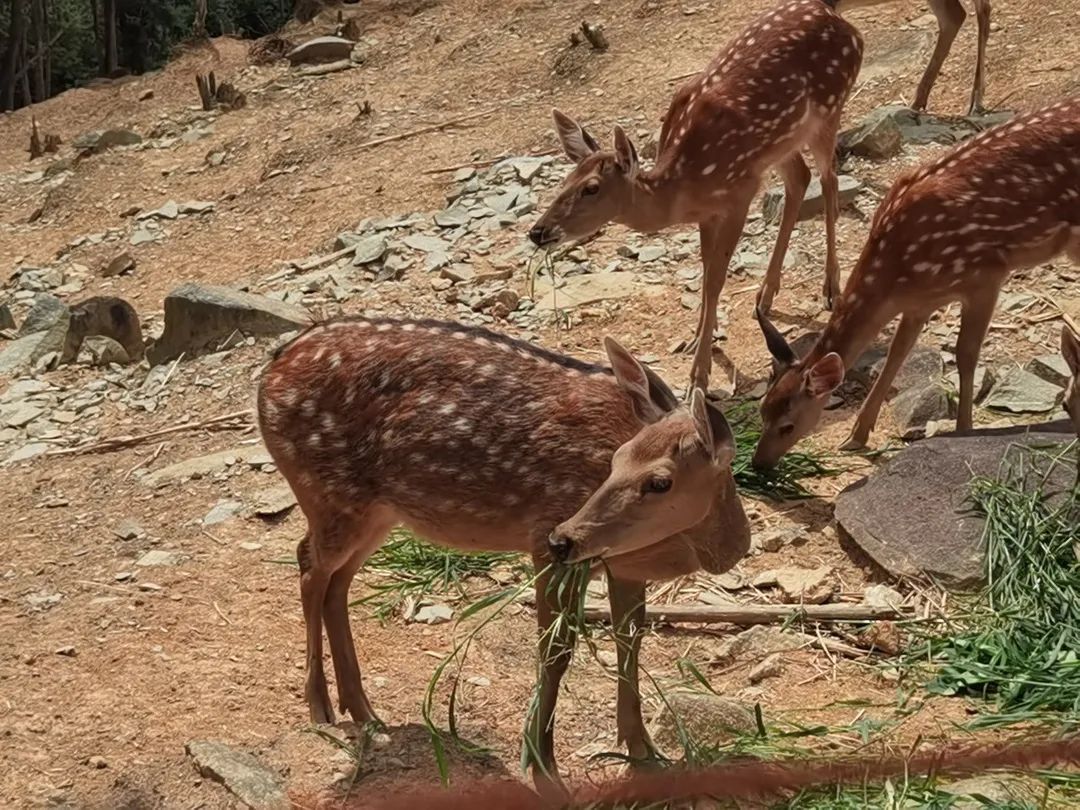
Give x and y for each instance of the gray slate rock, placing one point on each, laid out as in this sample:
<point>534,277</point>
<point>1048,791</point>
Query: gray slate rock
<point>1020,391</point>
<point>222,511</point>
<point>196,315</point>
<point>913,514</point>
<point>813,204</point>
<point>33,350</point>
<point>118,265</point>
<point>922,365</point>
<point>106,139</point>
<point>272,502</point>
<point>45,312</point>
<point>7,320</point>
<point>159,556</point>
<point>320,49</point>
<point>878,138</point>
<point>369,249</point>
<point>1052,368</point>
<point>202,466</point>
<point>427,244</point>
<point>242,775</point>
<point>917,128</point>
<point>913,408</point>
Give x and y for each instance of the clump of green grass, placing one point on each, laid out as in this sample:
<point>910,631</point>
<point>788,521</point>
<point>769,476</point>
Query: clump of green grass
<point>413,568</point>
<point>1017,642</point>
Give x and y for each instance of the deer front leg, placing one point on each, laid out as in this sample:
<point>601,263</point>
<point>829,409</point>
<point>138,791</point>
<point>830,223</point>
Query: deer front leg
<point>824,149</point>
<point>796,177</point>
<point>974,322</point>
<point>982,17</point>
<point>950,16</point>
<point>904,339</point>
<point>627,601</point>
<point>313,584</point>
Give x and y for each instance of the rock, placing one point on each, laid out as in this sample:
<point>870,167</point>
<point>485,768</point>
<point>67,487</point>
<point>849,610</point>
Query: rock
<point>502,301</point>
<point>38,351</point>
<point>97,762</point>
<point>19,414</point>
<point>199,314</point>
<point>369,249</point>
<point>882,596</point>
<point>771,667</point>
<point>27,451</point>
<point>141,236</point>
<point>706,718</point>
<point>197,206</point>
<point>67,650</point>
<point>1052,368</point>
<point>452,218</point>
<point>579,291</point>
<point>202,466</point>
<point>527,167</point>
<point>884,636</point>
<point>159,557</point>
<point>1020,391</point>
<point>922,365</point>
<point>433,614</point>
<point>427,244</point>
<point>878,138</point>
<point>983,382</point>
<point>7,320</point>
<point>997,790</point>
<point>119,265</point>
<point>242,775</point>
<point>810,586</point>
<point>103,351</point>
<point>146,95</point>
<point>459,273</point>
<point>45,312</point>
<point>757,642</point>
<point>913,127</point>
<point>320,49</point>
<point>106,139</point>
<point>914,408</point>
<point>170,210</point>
<point>128,530</point>
<point>275,500</point>
<point>913,514</point>
<point>222,511</point>
<point>813,204</point>
<point>650,253</point>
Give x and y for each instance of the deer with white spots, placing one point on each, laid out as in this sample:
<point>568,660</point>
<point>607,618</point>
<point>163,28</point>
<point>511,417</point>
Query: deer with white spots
<point>775,89</point>
<point>950,16</point>
<point>951,230</point>
<point>1070,350</point>
<point>477,441</point>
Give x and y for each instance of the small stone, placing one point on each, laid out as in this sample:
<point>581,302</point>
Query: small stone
<point>141,236</point>
<point>222,511</point>
<point>912,409</point>
<point>27,451</point>
<point>883,597</point>
<point>877,138</point>
<point>102,351</point>
<point>243,775</point>
<point>159,557</point>
<point>67,650</point>
<point>97,762</point>
<point>274,501</point>
<point>983,382</point>
<point>813,203</point>
<point>321,49</point>
<point>1020,391</point>
<point>771,667</point>
<point>433,614</point>
<point>379,740</point>
<point>106,139</point>
<point>248,546</point>
<point>146,95</point>
<point>478,680</point>
<point>119,265</point>
<point>196,206</point>
<point>369,249</point>
<point>458,273</point>
<point>811,586</point>
<point>650,253</point>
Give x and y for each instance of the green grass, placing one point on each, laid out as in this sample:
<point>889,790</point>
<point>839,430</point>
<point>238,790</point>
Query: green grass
<point>1017,642</point>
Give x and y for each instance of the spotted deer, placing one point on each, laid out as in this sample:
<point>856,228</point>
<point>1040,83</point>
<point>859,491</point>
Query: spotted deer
<point>950,16</point>
<point>1070,350</point>
<point>474,440</point>
<point>779,86</point>
<point>951,230</point>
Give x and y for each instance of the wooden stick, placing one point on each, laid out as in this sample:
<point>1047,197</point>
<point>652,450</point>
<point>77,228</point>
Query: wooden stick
<point>679,78</point>
<point>749,614</point>
<point>422,130</point>
<point>322,261</point>
<point>223,422</point>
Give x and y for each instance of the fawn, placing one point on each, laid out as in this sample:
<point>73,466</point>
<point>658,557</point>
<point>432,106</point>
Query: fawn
<point>108,316</point>
<point>478,441</point>
<point>779,86</point>
<point>1070,350</point>
<point>950,16</point>
<point>950,230</point>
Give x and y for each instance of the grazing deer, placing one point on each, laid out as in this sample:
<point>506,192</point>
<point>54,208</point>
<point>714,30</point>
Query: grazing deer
<point>950,16</point>
<point>1070,350</point>
<point>778,87</point>
<point>478,441</point>
<point>950,230</point>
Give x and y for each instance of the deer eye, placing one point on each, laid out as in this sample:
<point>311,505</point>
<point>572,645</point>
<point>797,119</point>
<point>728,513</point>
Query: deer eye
<point>786,430</point>
<point>592,187</point>
<point>658,485</point>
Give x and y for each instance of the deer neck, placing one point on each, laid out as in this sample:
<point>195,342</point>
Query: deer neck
<point>852,328</point>
<point>651,203</point>
<point>723,535</point>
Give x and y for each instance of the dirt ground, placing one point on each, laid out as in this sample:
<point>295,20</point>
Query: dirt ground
<point>102,687</point>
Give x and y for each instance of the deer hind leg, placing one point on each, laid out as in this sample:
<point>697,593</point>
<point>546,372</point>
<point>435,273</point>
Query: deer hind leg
<point>974,322</point>
<point>796,177</point>
<point>350,687</point>
<point>982,17</point>
<point>314,580</point>
<point>823,145</point>
<point>903,341</point>
<point>628,615</point>
<point>950,16</point>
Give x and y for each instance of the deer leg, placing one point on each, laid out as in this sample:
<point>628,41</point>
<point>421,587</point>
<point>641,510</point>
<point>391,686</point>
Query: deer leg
<point>350,687</point>
<point>796,177</point>
<point>314,579</point>
<point>555,649</point>
<point>824,148</point>
<point>719,236</point>
<point>904,339</point>
<point>950,16</point>
<point>974,323</point>
<point>627,617</point>
<point>982,17</point>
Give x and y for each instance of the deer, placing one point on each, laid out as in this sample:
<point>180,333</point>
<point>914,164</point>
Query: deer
<point>950,16</point>
<point>951,230</point>
<point>1070,350</point>
<point>474,440</point>
<point>779,86</point>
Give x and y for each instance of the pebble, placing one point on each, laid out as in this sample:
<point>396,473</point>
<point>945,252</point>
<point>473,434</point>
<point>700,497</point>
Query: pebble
<point>67,650</point>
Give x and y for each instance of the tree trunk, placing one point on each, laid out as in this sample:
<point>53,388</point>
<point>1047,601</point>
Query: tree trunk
<point>37,74</point>
<point>110,62</point>
<point>96,14</point>
<point>199,29</point>
<point>28,97</point>
<point>11,56</point>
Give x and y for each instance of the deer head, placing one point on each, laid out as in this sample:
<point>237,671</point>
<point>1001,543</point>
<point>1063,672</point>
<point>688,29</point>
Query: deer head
<point>594,193</point>
<point>1070,348</point>
<point>797,395</point>
<point>663,482</point>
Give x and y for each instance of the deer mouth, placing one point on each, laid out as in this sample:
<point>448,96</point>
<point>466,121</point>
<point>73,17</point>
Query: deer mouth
<point>543,236</point>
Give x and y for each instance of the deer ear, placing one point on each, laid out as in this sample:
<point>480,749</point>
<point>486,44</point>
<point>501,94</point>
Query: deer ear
<point>776,343</point>
<point>625,154</point>
<point>633,378</point>
<point>712,428</point>
<point>1070,349</point>
<point>576,142</point>
<point>824,376</point>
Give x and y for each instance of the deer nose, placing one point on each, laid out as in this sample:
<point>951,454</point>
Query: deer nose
<point>560,546</point>
<point>538,234</point>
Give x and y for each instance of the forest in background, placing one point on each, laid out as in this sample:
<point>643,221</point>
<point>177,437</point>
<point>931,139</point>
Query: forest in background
<point>48,46</point>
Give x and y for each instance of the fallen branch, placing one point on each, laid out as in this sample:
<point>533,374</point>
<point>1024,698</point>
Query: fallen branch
<point>423,130</point>
<point>749,614</point>
<point>680,77</point>
<point>228,421</point>
<point>322,261</point>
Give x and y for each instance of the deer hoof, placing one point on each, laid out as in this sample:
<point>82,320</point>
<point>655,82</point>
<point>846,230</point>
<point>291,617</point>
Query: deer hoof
<point>853,444</point>
<point>765,299</point>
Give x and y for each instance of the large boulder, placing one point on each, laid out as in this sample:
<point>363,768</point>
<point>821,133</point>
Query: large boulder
<point>913,514</point>
<point>197,315</point>
<point>321,49</point>
<point>101,140</point>
<point>45,312</point>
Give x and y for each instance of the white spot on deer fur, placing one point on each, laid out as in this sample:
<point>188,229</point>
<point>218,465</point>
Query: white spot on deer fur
<point>462,424</point>
<point>308,408</point>
<point>447,408</point>
<point>460,335</point>
<point>335,360</point>
<point>328,422</point>
<point>288,397</point>
<point>851,298</point>
<point>709,169</point>
<point>384,327</point>
<point>319,354</point>
<point>314,440</point>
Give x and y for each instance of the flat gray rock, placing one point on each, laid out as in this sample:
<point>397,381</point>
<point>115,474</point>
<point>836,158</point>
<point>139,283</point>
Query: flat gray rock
<point>45,312</point>
<point>1020,391</point>
<point>914,516</point>
<point>245,777</point>
<point>22,354</point>
<point>272,502</point>
<point>321,49</point>
<point>197,315</point>
<point>813,204</point>
<point>202,466</point>
<point>101,140</point>
<point>913,408</point>
<point>427,244</point>
<point>877,138</point>
<point>222,511</point>
<point>1052,368</point>
<point>159,556</point>
<point>7,320</point>
<point>369,249</point>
